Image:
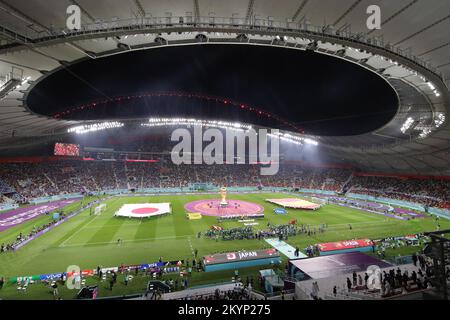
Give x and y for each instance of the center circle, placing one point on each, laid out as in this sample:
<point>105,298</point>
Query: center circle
<point>213,207</point>
<point>144,210</point>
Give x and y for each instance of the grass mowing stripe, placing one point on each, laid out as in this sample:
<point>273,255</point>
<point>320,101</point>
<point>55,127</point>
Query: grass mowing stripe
<point>104,219</point>
<point>180,222</point>
<point>147,229</point>
<point>105,234</point>
<point>76,230</point>
<point>126,241</point>
<point>151,240</point>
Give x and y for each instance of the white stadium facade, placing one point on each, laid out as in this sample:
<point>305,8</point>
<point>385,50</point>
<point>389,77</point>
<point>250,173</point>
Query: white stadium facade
<point>411,54</point>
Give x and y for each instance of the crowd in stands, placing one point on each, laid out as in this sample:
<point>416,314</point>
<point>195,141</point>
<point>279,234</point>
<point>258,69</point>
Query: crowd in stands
<point>399,242</point>
<point>31,180</point>
<point>6,247</point>
<point>397,281</point>
<point>238,293</point>
<point>429,192</point>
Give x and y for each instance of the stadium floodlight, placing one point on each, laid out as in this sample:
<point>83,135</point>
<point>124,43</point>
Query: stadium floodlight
<point>425,133</point>
<point>432,87</point>
<point>310,141</point>
<point>95,127</point>
<point>290,138</point>
<point>234,126</point>
<point>407,125</point>
<point>439,121</point>
<point>160,122</point>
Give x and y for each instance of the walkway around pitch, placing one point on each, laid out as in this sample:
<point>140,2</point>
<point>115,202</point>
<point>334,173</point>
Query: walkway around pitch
<point>284,248</point>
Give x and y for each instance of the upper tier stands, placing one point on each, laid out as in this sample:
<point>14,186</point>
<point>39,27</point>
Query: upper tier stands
<point>30,180</point>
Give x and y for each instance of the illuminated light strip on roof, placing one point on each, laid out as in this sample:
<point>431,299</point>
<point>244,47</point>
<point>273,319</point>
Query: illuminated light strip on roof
<point>235,126</point>
<point>439,121</point>
<point>95,127</point>
<point>425,133</point>
<point>294,139</point>
<point>408,123</point>
<point>160,122</point>
<point>258,111</point>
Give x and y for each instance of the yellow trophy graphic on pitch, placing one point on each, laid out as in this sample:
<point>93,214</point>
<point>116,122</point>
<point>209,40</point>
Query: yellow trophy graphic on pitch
<point>223,194</point>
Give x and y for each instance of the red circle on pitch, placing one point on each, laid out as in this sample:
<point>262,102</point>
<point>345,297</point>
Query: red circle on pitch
<point>144,210</point>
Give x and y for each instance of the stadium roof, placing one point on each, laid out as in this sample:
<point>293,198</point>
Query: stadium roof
<point>411,52</point>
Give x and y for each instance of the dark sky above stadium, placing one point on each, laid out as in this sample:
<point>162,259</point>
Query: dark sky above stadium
<point>323,95</point>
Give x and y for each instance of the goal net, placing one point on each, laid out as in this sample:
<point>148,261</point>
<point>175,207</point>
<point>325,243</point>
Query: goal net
<point>100,208</point>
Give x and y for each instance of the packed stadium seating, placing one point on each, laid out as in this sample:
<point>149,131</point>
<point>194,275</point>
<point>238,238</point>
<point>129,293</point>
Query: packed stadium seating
<point>434,193</point>
<point>21,181</point>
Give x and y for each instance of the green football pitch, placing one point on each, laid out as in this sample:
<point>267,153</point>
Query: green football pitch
<point>91,240</point>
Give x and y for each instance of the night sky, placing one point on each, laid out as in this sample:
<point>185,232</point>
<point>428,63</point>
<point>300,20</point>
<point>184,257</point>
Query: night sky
<point>321,94</point>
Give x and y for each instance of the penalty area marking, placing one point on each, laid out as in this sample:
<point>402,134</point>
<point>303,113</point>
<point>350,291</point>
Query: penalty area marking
<point>63,244</point>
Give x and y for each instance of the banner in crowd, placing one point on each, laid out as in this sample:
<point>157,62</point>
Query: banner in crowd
<point>400,203</point>
<point>443,213</point>
<point>56,198</point>
<point>240,256</point>
<point>324,192</point>
<point>8,206</point>
<point>91,272</point>
<point>18,216</point>
<point>344,245</point>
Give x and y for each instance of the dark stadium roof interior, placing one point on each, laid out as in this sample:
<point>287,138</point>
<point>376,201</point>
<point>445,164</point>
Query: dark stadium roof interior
<point>410,51</point>
<point>323,95</point>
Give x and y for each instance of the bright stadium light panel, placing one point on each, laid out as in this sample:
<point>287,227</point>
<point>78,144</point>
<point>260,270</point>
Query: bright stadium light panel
<point>432,87</point>
<point>425,133</point>
<point>293,139</point>
<point>310,141</point>
<point>159,122</point>
<point>407,125</point>
<point>439,121</point>
<point>95,127</point>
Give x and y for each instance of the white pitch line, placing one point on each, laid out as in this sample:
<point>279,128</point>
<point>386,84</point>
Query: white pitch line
<point>330,226</point>
<point>76,232</point>
<point>114,242</point>
<point>113,225</point>
<point>192,248</point>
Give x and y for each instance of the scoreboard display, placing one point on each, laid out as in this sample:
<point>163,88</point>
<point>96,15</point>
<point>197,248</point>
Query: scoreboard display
<point>67,149</point>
